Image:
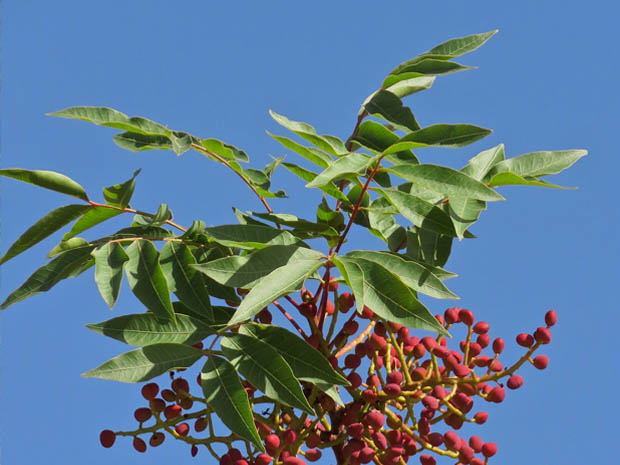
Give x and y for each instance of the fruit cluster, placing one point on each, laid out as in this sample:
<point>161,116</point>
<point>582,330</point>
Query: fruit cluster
<point>414,395</point>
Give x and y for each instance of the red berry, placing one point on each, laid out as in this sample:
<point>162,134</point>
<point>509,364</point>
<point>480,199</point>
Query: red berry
<point>355,430</point>
<point>452,440</point>
<point>172,411</point>
<point>272,441</point>
<point>149,391</point>
<point>489,449</point>
<point>139,444</point>
<point>515,382</point>
<point>329,307</point>
<point>477,461</point>
<point>451,315</point>
<point>355,380</point>
<point>168,395</point>
<point>391,389</point>
<point>475,443</point>
<point>307,309</point>
<point>542,335</point>
<point>430,402</point>
<point>350,327</point>
<point>262,459</point>
<point>292,460</point>
<point>466,316</point>
<point>429,342</point>
<point>435,439</point>
<point>312,455</point>
<point>481,327</point>
<point>182,429</point>
<point>498,345</point>
<point>352,361</point>
<point>367,313</point>
<point>157,405</point>
<point>264,316</point>
<point>290,436</point>
<point>481,417</point>
<point>194,450</point>
<point>427,460</point>
<point>374,419</point>
<point>369,396</point>
<point>366,454</point>
<point>157,439</point>
<point>419,350</point>
<point>142,414</point>
<point>525,340</point>
<point>484,340</point>
<point>541,362</point>
<point>107,438</point>
<point>346,301</point>
<point>466,454</point>
<point>497,394</point>
<point>461,371</point>
<point>551,318</point>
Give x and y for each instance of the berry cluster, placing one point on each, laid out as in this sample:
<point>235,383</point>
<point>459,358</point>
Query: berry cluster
<point>415,393</point>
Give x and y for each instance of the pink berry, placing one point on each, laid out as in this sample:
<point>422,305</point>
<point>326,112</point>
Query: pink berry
<point>139,444</point>
<point>107,438</point>
<point>333,284</point>
<point>489,449</point>
<point>182,429</point>
<point>429,342</point>
<point>466,454</point>
<point>515,382</point>
<point>525,340</point>
<point>461,371</point>
<point>475,443</point>
<point>290,436</point>
<point>374,419</point>
<point>292,460</point>
<point>172,411</point>
<point>541,362</point>
<point>150,390</point>
<point>419,350</point>
<point>262,459</point>
<point>476,461</point>
<point>366,454</point>
<point>497,394</point>
<point>452,440</point>
<point>392,389</point>
<point>430,402</point>
<point>355,430</point>
<point>395,377</point>
<point>272,441</point>
<point>542,335</point>
<point>551,318</point>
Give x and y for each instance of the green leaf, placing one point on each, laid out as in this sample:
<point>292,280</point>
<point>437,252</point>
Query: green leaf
<point>428,247</point>
<point>226,151</point>
<point>420,212</point>
<point>327,143</point>
<point>383,225</point>
<point>445,181</point>
<point>429,66</point>
<point>325,214</point>
<point>511,179</point>
<point>177,263</point>
<point>265,368</point>
<point>147,280</point>
<point>390,298</point>
<point>136,142</point>
<point>440,135</point>
<point>348,164</point>
<point>247,219</point>
<point>227,397</point>
<point>387,105</point>
<point>245,271</point>
<point>405,87</point>
<point>538,163</point>
<point>63,246</point>
<point>299,224</point>
<point>103,116</point>
<point>460,46</point>
<point>162,215</point>
<point>90,218</point>
<point>43,228</point>
<point>281,281</point>
<point>318,157</point>
<point>146,363</point>
<point>67,265</point>
<point>221,315</point>
<point>354,277</point>
<point>307,175</point>
<point>464,212</point>
<point>307,363</point>
<point>181,142</point>
<point>48,180</point>
<point>480,165</point>
<point>415,275</point>
<point>109,261</point>
<point>143,329</point>
<point>249,236</point>
<point>119,195</point>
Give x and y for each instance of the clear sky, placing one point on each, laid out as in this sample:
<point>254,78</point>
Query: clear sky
<point>547,81</point>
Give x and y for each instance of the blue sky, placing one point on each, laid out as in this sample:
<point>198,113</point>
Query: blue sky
<point>547,81</point>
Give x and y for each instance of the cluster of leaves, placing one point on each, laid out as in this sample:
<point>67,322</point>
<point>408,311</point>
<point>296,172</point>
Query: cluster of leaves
<point>373,179</point>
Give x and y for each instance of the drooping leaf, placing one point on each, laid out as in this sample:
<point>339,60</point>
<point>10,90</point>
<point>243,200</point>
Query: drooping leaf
<point>146,362</point>
<point>316,156</point>
<point>307,363</point>
<point>265,368</point>
<point>249,236</point>
<point>348,164</point>
<point>464,212</point>
<point>387,105</point>
<point>281,281</point>
<point>119,195</point>
<point>354,277</point>
<point>90,218</point>
<point>147,280</point>
<point>162,215</point>
<point>445,181</point>
<point>307,175</point>
<point>63,246</point>
<point>181,142</point>
<point>247,270</point>
<point>439,135</point>
<point>383,225</point>
<point>177,263</point>
<point>109,117</point>
<point>225,394</point>
<point>48,180</point>
<point>329,144</point>
<point>196,232</point>
<point>420,212</point>
<point>43,228</point>
<point>390,298</point>
<point>143,329</point>
<point>66,265</point>
<point>247,219</point>
<point>428,247</point>
<point>415,275</point>
<point>299,224</point>
<point>538,163</point>
<point>109,261</point>
<point>511,179</point>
